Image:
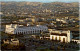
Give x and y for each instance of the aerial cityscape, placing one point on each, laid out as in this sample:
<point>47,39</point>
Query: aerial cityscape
<point>39,25</point>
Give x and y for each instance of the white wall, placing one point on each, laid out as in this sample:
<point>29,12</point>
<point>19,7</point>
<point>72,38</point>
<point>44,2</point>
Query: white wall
<point>54,36</point>
<point>67,38</point>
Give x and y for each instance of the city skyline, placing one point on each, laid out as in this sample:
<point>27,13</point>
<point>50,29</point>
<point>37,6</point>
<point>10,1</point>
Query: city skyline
<point>39,25</point>
<point>44,1</point>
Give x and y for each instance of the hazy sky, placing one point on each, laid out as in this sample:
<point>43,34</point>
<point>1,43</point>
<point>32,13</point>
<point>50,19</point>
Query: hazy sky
<point>44,0</point>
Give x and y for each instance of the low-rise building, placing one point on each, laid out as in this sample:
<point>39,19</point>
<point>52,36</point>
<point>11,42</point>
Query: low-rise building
<point>20,29</point>
<point>14,41</point>
<point>61,35</point>
<point>74,40</point>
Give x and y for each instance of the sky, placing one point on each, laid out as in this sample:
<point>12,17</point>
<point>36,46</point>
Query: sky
<point>44,0</point>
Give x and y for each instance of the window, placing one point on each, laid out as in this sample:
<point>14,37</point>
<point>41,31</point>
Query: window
<point>40,30</point>
<point>63,39</point>
<point>59,38</point>
<point>55,38</point>
<point>52,37</point>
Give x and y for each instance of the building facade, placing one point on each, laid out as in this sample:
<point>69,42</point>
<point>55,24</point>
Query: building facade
<point>14,41</point>
<point>20,29</point>
<point>61,35</point>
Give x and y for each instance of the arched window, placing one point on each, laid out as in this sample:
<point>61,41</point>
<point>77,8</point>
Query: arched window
<point>63,39</point>
<point>20,32</point>
<point>52,37</point>
<point>55,38</point>
<point>23,32</point>
<point>39,30</point>
<point>60,38</point>
<point>17,32</point>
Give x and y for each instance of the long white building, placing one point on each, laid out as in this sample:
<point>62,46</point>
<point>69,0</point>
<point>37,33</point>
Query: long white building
<point>61,35</point>
<point>20,29</point>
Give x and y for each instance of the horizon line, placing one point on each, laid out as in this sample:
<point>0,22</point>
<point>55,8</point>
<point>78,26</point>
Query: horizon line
<point>37,1</point>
